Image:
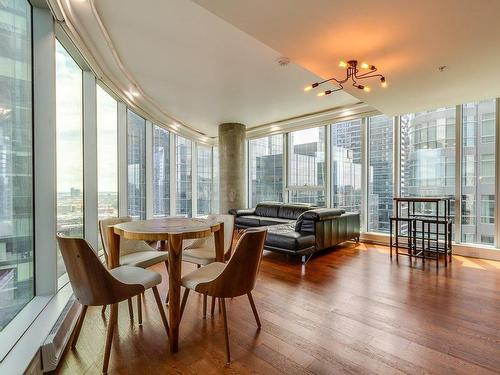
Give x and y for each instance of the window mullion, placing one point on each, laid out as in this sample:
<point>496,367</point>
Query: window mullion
<point>458,174</point>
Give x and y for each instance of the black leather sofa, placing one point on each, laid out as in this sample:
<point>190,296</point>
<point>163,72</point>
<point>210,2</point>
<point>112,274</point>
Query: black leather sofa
<point>300,229</point>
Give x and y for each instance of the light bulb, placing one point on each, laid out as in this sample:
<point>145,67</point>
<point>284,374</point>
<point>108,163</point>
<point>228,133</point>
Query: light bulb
<point>342,64</point>
<point>383,82</point>
<point>366,88</point>
<point>308,88</point>
<point>364,65</point>
<point>322,93</point>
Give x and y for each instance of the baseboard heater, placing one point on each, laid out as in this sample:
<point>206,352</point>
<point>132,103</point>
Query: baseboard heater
<point>55,343</point>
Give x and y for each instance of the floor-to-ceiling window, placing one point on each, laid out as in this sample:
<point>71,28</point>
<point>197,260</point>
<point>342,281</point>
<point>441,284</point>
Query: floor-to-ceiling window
<point>380,180</point>
<point>69,125</point>
<point>478,172</point>
<point>306,171</point>
<point>107,155</point>
<point>16,160</point>
<point>161,172</point>
<point>215,180</point>
<point>345,163</point>
<point>136,165</point>
<point>428,155</point>
<point>184,196</point>
<point>266,169</point>
<point>203,179</point>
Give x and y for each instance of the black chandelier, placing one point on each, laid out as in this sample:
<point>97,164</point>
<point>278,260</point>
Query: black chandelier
<point>351,73</point>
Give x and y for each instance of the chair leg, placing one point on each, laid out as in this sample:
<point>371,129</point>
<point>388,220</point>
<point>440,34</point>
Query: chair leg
<point>103,310</point>
<point>184,300</point>
<point>166,266</point>
<point>113,317</point>
<point>130,309</point>
<point>79,326</point>
<point>212,309</point>
<point>162,312</point>
<point>226,331</point>
<point>204,305</point>
<point>250,298</point>
<point>139,308</point>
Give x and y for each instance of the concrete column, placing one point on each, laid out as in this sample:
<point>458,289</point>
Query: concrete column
<point>232,166</point>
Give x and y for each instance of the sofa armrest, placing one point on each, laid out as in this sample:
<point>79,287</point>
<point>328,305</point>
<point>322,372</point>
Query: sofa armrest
<point>321,214</point>
<point>244,212</point>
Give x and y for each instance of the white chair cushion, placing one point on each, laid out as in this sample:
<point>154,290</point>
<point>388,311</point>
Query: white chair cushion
<point>200,255</point>
<point>202,275</point>
<point>136,275</point>
<point>143,259</point>
<point>133,246</point>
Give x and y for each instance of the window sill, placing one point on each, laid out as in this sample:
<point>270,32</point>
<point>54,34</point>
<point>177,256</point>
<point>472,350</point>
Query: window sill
<point>37,326</point>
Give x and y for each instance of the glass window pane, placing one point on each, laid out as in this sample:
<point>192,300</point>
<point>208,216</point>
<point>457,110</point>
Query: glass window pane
<point>107,156</point>
<point>215,181</point>
<point>16,160</point>
<point>266,169</point>
<point>346,165</point>
<point>183,169</point>
<point>203,179</point>
<point>69,124</point>
<point>161,172</point>
<point>478,173</point>
<point>380,183</point>
<point>136,165</point>
<point>428,168</point>
<point>307,166</point>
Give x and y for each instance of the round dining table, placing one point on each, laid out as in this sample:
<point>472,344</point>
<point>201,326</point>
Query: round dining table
<point>172,231</point>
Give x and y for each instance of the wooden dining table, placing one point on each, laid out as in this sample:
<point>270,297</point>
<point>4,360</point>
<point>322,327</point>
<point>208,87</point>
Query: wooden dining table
<point>171,231</point>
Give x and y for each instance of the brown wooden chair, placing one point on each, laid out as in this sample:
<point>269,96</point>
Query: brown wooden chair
<point>94,285</point>
<point>202,251</point>
<point>232,279</point>
<point>132,253</point>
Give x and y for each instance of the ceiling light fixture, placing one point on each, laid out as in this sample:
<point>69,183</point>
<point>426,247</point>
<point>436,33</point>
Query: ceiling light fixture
<point>352,67</point>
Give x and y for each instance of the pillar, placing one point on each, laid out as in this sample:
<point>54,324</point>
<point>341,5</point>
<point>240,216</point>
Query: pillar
<point>232,166</point>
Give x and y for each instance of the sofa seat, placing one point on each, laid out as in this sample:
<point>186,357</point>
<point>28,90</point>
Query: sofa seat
<point>248,220</point>
<point>285,237</point>
<point>265,221</point>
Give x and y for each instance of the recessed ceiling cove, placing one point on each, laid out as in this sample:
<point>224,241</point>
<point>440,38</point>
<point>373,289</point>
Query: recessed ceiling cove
<point>407,40</point>
<point>198,68</point>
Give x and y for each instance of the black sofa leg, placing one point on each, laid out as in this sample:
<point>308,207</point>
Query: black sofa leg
<point>305,259</point>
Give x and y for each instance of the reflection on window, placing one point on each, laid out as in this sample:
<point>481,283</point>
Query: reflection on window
<point>307,166</point>
<point>69,124</point>
<point>346,165</point>
<point>184,179</point>
<point>266,169</point>
<point>203,179</point>
<point>16,175</point>
<point>428,155</point>
<point>215,180</point>
<point>136,165</point>
<point>161,172</point>
<point>107,156</point>
<point>380,173</point>
<point>478,173</point>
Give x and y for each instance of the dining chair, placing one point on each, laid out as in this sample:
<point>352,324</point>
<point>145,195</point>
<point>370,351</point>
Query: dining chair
<point>94,285</point>
<point>202,251</point>
<point>132,253</point>
<point>232,279</point>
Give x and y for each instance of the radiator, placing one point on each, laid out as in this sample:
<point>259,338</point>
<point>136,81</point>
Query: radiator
<point>53,346</point>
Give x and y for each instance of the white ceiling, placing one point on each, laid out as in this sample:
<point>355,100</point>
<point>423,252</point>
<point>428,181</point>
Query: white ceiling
<point>408,40</point>
<point>198,68</point>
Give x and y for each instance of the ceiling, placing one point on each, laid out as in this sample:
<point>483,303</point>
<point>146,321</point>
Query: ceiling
<point>197,68</point>
<point>407,40</point>
<point>204,62</point>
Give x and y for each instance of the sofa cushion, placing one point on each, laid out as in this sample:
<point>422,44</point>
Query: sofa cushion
<point>275,221</point>
<point>284,236</point>
<point>293,211</point>
<point>248,221</point>
<point>267,209</point>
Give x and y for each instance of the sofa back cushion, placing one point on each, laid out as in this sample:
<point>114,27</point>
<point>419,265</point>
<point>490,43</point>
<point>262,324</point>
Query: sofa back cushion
<point>293,211</point>
<point>267,209</point>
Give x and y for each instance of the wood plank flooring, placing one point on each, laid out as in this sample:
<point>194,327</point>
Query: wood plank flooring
<point>348,311</point>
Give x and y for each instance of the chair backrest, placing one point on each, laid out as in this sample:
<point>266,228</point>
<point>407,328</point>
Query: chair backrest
<point>209,242</point>
<point>240,274</point>
<point>126,246</point>
<point>91,282</point>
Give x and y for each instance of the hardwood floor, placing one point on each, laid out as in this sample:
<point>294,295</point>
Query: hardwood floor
<point>349,311</point>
